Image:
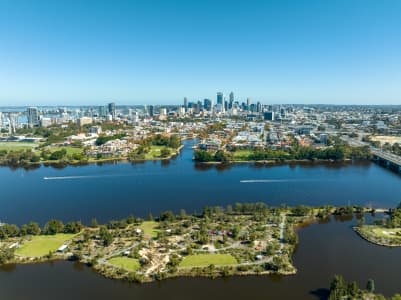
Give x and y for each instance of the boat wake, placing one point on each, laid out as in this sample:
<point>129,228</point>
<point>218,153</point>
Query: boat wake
<point>268,180</point>
<point>80,177</point>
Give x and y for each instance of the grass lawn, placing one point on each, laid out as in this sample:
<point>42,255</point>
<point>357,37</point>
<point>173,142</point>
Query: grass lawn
<point>155,152</point>
<point>129,264</point>
<point>41,245</point>
<point>148,228</point>
<point>70,150</point>
<point>203,260</point>
<point>241,154</point>
<point>16,146</point>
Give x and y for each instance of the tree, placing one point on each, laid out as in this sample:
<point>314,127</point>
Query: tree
<point>167,216</point>
<point>53,227</point>
<point>105,236</point>
<point>94,223</point>
<point>56,155</point>
<point>183,214</point>
<point>6,254</point>
<point>337,288</point>
<point>202,156</point>
<point>174,142</point>
<point>9,230</point>
<point>33,228</point>
<point>165,152</point>
<point>370,286</point>
<point>220,156</point>
<point>73,227</point>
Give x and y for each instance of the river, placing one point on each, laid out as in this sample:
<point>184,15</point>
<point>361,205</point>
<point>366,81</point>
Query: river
<point>113,191</point>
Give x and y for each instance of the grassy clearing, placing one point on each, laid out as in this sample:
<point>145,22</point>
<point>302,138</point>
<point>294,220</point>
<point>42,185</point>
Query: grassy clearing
<point>385,232</point>
<point>203,260</point>
<point>149,228</point>
<point>129,264</point>
<point>70,150</point>
<point>41,245</point>
<point>155,152</point>
<point>241,154</point>
<point>16,146</point>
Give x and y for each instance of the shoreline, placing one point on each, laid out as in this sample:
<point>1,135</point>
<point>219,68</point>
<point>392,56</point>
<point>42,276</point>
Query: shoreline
<point>277,162</point>
<point>241,268</point>
<point>373,241</point>
<point>237,256</point>
<point>62,163</point>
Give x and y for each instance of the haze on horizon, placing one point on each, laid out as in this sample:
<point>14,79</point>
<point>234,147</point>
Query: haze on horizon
<point>141,52</point>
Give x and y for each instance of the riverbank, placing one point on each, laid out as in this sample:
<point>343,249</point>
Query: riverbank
<point>379,235</point>
<point>279,162</point>
<point>86,161</point>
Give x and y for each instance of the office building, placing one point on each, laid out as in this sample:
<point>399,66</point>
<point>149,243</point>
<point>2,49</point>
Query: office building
<point>151,110</point>
<point>102,111</point>
<point>220,97</point>
<point>269,115</point>
<point>84,121</point>
<point>231,100</point>
<point>207,104</point>
<point>33,116</point>
<point>112,110</point>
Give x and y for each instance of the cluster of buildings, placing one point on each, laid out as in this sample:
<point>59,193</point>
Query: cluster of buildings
<point>247,124</point>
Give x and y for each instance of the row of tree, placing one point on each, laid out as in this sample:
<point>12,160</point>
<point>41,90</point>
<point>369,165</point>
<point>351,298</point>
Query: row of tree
<point>341,290</point>
<point>105,138</point>
<point>52,227</point>
<point>172,141</point>
<point>339,152</point>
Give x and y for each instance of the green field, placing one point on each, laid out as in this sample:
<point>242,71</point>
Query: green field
<point>41,245</point>
<point>148,228</point>
<point>16,146</point>
<point>203,260</point>
<point>70,150</point>
<point>129,264</point>
<point>241,154</point>
<point>155,152</point>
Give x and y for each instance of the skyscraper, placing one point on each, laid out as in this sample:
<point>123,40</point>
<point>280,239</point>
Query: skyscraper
<point>185,103</point>
<point>112,110</point>
<point>207,104</point>
<point>220,98</point>
<point>102,111</point>
<point>33,116</point>
<point>151,110</point>
<point>231,101</point>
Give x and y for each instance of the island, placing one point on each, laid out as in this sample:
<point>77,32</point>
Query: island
<point>240,239</point>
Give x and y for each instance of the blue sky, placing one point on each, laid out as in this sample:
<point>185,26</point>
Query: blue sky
<point>134,52</point>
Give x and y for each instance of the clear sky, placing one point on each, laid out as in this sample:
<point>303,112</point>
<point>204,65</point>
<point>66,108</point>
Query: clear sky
<point>134,52</point>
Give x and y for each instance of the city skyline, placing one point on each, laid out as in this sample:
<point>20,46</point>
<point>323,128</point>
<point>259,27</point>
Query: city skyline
<point>69,53</point>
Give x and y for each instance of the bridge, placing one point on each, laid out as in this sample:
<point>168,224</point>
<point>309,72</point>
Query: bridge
<point>386,159</point>
<point>389,160</point>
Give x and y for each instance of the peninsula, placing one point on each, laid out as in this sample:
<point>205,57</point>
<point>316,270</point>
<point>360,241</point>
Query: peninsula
<point>242,239</point>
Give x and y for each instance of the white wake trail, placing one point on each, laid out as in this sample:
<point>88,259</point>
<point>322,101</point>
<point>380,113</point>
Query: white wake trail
<point>80,177</point>
<point>265,180</point>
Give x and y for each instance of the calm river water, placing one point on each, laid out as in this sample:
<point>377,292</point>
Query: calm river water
<point>114,191</point>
